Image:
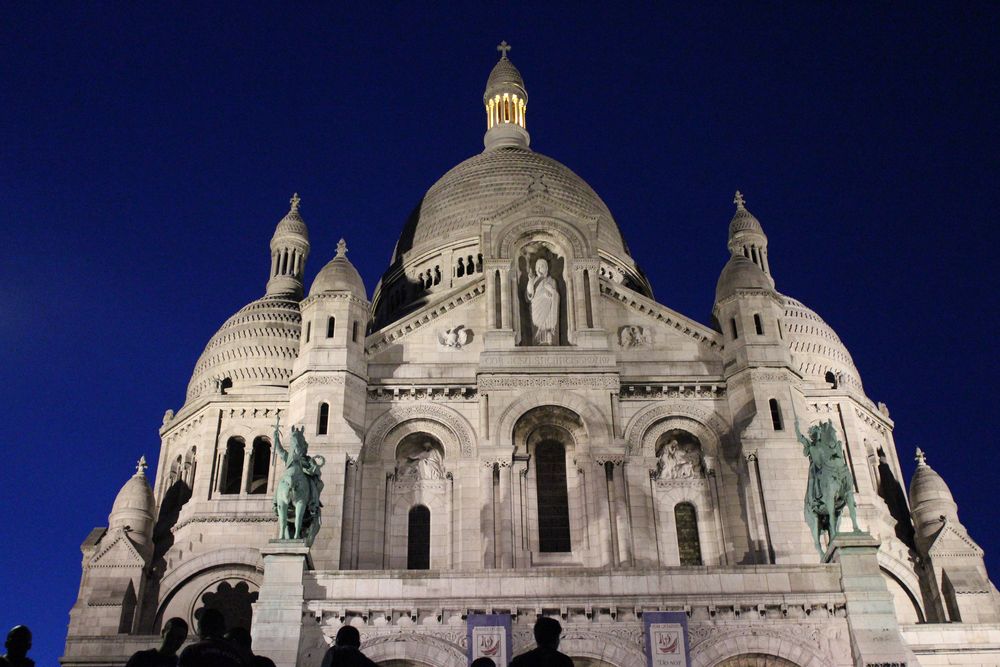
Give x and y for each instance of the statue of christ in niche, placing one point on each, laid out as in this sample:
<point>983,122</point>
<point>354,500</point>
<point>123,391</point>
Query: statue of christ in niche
<point>543,295</point>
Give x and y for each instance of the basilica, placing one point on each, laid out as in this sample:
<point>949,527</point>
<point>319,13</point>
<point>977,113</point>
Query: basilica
<point>510,426</point>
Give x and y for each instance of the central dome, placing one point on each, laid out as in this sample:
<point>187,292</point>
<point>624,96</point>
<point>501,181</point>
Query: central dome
<point>486,183</point>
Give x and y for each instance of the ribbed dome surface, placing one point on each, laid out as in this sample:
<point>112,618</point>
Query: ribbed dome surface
<point>928,487</point>
<point>292,223</point>
<point>744,221</point>
<point>504,76</point>
<point>815,346</point>
<point>740,272</point>
<point>488,182</point>
<point>255,347</point>
<point>339,275</point>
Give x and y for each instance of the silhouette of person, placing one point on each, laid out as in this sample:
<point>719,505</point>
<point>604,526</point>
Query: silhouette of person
<point>346,650</point>
<point>547,634</point>
<point>483,662</point>
<point>18,644</point>
<point>212,650</point>
<point>174,632</point>
<point>240,637</point>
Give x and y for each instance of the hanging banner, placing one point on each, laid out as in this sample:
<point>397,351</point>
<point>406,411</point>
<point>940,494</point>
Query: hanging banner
<point>666,639</point>
<point>489,636</point>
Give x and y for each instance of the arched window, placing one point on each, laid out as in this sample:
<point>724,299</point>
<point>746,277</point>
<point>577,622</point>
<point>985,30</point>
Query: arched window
<point>232,466</point>
<point>354,332</point>
<point>418,539</point>
<point>732,326</point>
<point>776,421</point>
<point>758,325</point>
<point>688,544</point>
<point>323,425</point>
<point>553,499</point>
<point>309,327</point>
<point>331,326</point>
<point>831,379</point>
<point>460,271</point>
<point>190,466</point>
<point>260,464</point>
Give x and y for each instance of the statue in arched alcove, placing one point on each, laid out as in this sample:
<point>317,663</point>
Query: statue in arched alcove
<point>679,457</point>
<point>543,295</point>
<point>422,460</point>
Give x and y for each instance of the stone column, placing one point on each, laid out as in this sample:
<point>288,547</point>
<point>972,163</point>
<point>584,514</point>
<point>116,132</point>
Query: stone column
<point>871,616</point>
<point>277,614</point>
<point>489,513</point>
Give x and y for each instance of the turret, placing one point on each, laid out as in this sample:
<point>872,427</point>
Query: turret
<point>289,251</point>
<point>506,102</point>
<point>747,238</point>
<point>954,580</point>
<point>134,508</point>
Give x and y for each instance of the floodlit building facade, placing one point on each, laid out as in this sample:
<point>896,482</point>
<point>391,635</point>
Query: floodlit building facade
<point>514,425</point>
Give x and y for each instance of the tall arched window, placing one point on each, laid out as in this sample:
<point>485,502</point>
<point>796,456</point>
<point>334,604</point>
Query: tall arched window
<point>331,325</point>
<point>323,425</point>
<point>758,324</point>
<point>688,544</point>
<point>776,420</point>
<point>553,499</point>
<point>418,539</point>
<point>232,466</point>
<point>260,464</point>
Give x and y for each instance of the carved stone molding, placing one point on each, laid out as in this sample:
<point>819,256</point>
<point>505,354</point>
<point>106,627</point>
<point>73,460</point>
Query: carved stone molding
<point>422,317</point>
<point>640,442</point>
<point>641,304</point>
<point>460,429</point>
<point>539,359</point>
<point>637,391</point>
<point>500,382</point>
<point>418,393</point>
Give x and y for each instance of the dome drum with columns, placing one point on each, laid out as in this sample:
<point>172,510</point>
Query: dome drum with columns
<point>514,425</point>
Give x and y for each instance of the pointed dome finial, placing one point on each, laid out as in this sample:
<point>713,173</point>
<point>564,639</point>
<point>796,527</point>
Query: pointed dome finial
<point>503,47</point>
<point>140,466</point>
<point>739,201</point>
<point>341,248</point>
<point>920,458</point>
<point>294,201</point>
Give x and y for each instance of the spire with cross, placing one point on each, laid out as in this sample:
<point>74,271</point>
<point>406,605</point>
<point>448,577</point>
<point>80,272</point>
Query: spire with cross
<point>920,458</point>
<point>739,201</point>
<point>503,47</point>
<point>140,466</point>
<point>294,201</point>
<point>341,248</point>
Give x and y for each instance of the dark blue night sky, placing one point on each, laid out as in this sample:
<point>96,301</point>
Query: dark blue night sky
<point>147,152</point>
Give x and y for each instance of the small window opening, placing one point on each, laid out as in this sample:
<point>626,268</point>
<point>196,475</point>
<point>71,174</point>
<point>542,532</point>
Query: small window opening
<point>758,325</point>
<point>831,379</point>
<point>309,328</point>
<point>732,326</point>
<point>331,326</point>
<point>354,332</point>
<point>776,421</point>
<point>232,466</point>
<point>323,425</point>
<point>260,463</point>
<point>418,539</point>
<point>688,542</point>
<point>461,268</point>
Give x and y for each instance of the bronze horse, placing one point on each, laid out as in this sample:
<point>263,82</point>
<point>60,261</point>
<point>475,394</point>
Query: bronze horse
<point>296,499</point>
<point>830,487</point>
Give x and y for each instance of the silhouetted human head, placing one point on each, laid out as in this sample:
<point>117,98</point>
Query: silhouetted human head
<point>547,631</point>
<point>240,637</point>
<point>483,662</point>
<point>348,636</point>
<point>211,624</point>
<point>174,632</point>
<point>18,641</point>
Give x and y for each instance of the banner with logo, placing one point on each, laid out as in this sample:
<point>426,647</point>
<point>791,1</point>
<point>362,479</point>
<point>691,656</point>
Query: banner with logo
<point>666,639</point>
<point>489,636</point>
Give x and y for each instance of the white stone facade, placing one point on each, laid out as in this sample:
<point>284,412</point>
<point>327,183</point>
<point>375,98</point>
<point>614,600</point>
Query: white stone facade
<point>644,462</point>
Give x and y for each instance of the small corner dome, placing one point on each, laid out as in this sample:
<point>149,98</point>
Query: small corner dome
<point>134,506</point>
<point>504,78</point>
<point>744,221</point>
<point>339,275</point>
<point>927,488</point>
<point>740,273</point>
<point>292,224</point>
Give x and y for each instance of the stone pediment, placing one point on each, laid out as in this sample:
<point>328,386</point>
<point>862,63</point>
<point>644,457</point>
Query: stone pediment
<point>663,320</point>
<point>119,552</point>
<point>954,541</point>
<point>423,317</point>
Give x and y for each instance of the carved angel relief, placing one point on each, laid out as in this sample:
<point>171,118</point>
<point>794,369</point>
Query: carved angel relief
<point>680,457</point>
<point>631,336</point>
<point>455,337</point>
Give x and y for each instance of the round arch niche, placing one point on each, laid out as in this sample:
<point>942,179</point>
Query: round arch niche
<point>548,422</point>
<point>420,455</point>
<point>756,660</point>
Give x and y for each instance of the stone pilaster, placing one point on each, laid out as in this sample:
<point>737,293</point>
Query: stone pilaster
<point>277,614</point>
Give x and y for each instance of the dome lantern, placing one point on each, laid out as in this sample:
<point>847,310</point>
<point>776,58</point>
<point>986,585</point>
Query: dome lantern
<point>506,103</point>
<point>289,251</point>
<point>746,236</point>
